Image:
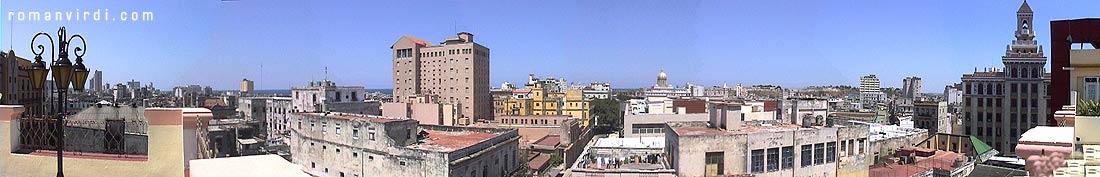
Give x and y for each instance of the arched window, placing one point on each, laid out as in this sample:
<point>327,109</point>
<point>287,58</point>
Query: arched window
<point>1015,72</point>
<point>1035,73</point>
<point>989,89</point>
<point>980,89</point>
<point>1024,73</point>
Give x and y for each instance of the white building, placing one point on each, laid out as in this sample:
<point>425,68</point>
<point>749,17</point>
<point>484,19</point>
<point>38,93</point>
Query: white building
<point>870,93</point>
<point>325,96</point>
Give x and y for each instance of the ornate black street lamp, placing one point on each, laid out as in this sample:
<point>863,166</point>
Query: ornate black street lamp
<point>64,73</point>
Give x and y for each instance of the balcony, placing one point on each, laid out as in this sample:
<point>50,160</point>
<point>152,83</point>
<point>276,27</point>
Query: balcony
<point>110,138</point>
<point>104,141</point>
<point>1084,58</point>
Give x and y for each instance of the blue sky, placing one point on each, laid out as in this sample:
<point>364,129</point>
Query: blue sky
<point>784,42</point>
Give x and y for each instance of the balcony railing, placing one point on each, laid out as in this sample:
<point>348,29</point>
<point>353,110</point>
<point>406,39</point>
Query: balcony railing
<point>1084,57</point>
<point>122,137</point>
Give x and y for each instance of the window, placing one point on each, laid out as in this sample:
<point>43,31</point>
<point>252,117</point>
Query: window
<point>337,129</point>
<point>844,148</point>
<point>830,155</point>
<point>773,159</point>
<point>715,163</point>
<point>355,133</point>
<point>819,153</point>
<point>757,161</point>
<point>807,155</point>
<point>788,157</point>
<point>370,136</point>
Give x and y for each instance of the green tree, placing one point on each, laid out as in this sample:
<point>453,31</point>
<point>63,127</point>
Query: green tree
<point>608,113</point>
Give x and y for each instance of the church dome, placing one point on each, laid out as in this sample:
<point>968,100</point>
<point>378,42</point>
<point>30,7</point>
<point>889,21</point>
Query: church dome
<point>662,76</point>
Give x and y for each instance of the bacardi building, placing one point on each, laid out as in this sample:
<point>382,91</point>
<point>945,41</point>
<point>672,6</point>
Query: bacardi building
<point>1000,104</point>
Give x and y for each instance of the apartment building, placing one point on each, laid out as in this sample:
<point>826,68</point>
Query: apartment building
<point>456,70</point>
<point>765,148</point>
<point>326,96</point>
<point>351,145</point>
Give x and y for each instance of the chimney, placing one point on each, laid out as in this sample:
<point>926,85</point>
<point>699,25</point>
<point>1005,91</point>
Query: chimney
<point>466,36</point>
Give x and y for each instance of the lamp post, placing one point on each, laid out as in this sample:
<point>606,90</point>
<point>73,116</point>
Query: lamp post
<point>64,73</point>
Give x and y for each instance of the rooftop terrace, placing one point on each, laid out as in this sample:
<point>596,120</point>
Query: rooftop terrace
<point>350,116</point>
<point>447,141</point>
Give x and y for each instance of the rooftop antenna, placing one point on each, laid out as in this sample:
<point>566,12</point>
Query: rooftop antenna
<point>11,34</point>
<point>261,81</point>
<point>326,73</point>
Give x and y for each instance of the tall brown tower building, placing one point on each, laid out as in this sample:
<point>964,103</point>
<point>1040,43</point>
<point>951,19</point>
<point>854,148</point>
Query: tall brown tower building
<point>454,72</point>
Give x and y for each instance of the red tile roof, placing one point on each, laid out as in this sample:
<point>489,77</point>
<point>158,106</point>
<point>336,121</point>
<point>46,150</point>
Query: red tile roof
<point>895,170</point>
<point>539,162</point>
<point>419,41</point>
<point>549,140</point>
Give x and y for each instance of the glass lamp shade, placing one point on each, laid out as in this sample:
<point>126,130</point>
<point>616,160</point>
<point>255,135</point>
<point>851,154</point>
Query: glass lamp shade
<point>80,76</point>
<point>62,73</point>
<point>38,73</point>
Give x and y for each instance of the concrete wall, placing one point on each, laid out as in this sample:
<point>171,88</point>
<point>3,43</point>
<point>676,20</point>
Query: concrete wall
<point>687,153</point>
<point>427,113</point>
<point>630,121</point>
<point>387,154</point>
<point>885,147</point>
<point>395,110</point>
<point>852,162</point>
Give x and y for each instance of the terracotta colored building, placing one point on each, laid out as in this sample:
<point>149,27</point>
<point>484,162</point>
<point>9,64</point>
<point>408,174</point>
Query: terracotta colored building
<point>456,70</point>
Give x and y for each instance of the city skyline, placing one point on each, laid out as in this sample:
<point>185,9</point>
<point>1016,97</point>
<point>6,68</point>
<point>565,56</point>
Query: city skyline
<point>710,42</point>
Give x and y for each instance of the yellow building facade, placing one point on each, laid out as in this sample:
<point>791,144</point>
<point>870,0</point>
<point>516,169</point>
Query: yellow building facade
<point>570,102</point>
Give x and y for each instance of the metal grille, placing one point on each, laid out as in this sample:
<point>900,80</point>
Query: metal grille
<point>124,137</point>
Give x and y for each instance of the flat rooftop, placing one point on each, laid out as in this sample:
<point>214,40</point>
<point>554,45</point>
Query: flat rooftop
<point>349,116</point>
<point>881,132</point>
<point>1045,134</point>
<point>943,160</point>
<point>648,152</point>
<point>748,128</point>
<point>447,141</point>
<point>633,143</point>
<point>257,165</point>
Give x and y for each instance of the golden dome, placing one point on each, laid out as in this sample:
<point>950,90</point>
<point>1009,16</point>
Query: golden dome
<point>662,75</point>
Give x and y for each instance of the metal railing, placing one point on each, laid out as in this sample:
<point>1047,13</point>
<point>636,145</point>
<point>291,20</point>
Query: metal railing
<point>122,137</point>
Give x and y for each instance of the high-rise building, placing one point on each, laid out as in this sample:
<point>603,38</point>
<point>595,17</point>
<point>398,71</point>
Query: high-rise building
<point>456,72</point>
<point>1001,104</point>
<point>869,83</point>
<point>911,87</point>
<point>97,81</point>
<point>870,92</point>
<point>247,86</point>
